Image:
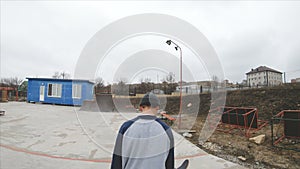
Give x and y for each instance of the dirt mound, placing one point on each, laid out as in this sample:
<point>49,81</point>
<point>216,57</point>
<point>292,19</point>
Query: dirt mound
<point>268,101</point>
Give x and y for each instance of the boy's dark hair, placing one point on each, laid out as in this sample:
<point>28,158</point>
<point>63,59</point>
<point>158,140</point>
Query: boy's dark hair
<point>150,99</point>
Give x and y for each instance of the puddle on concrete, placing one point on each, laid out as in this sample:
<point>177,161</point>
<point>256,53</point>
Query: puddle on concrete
<point>64,143</point>
<point>14,120</point>
<point>62,135</point>
<point>92,153</point>
<point>36,143</point>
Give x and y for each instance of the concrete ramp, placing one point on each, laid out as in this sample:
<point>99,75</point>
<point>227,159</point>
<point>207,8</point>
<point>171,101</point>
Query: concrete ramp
<point>89,105</point>
<point>103,103</point>
<point>107,103</point>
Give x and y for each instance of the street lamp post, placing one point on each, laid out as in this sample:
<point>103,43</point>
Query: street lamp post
<point>169,42</point>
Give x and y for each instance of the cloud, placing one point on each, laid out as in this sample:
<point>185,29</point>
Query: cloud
<point>39,38</point>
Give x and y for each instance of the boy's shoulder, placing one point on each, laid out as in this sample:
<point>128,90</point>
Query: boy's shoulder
<point>126,125</point>
<point>163,124</point>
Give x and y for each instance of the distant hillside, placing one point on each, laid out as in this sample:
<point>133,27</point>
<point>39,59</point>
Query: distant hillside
<point>268,101</point>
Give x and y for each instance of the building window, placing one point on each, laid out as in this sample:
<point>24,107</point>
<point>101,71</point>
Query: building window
<point>54,90</point>
<point>76,91</point>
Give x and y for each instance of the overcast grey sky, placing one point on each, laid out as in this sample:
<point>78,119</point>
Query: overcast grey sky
<point>39,38</point>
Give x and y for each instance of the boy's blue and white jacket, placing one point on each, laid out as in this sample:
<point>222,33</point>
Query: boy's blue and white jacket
<point>144,142</point>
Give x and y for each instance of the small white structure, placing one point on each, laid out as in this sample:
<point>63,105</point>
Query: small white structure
<point>264,76</point>
<point>193,89</point>
<point>297,80</point>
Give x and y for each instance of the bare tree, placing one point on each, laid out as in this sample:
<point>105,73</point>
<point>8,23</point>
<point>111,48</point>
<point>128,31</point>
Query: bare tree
<point>123,80</point>
<point>120,88</point>
<point>215,82</point>
<point>59,75</point>
<point>16,81</point>
<point>99,82</point>
<point>56,75</point>
<point>65,75</point>
<point>12,81</point>
<point>141,80</point>
<point>100,87</point>
<point>170,77</point>
<point>215,78</point>
<point>147,80</point>
<point>3,81</point>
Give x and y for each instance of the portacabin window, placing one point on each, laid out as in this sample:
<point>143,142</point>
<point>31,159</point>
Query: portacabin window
<point>76,91</point>
<point>54,90</point>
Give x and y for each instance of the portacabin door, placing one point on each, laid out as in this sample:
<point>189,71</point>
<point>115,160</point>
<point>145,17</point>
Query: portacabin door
<point>42,93</point>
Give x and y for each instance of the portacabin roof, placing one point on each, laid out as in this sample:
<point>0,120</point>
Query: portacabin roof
<point>262,69</point>
<point>61,80</point>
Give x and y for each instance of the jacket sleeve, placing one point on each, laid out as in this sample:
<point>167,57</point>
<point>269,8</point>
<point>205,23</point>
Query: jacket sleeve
<point>170,159</point>
<point>117,156</point>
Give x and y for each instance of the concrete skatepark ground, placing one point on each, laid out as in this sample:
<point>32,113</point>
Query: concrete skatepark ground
<point>50,136</point>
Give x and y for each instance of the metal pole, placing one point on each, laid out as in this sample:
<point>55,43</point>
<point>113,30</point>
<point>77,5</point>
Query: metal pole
<point>272,134</point>
<point>267,78</point>
<point>180,97</point>
<point>180,92</point>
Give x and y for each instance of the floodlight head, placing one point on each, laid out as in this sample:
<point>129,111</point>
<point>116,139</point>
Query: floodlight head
<point>168,42</point>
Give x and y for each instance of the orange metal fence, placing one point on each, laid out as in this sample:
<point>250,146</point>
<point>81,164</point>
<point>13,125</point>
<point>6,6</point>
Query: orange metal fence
<point>285,128</point>
<point>240,120</point>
